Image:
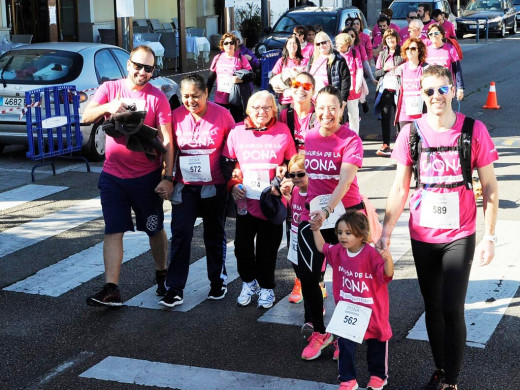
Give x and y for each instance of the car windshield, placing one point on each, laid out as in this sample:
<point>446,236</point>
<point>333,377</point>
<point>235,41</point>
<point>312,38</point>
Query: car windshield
<point>516,2</point>
<point>482,5</point>
<point>40,66</point>
<point>402,8</point>
<point>288,22</point>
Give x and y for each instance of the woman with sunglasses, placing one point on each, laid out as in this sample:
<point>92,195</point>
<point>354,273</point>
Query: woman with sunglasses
<point>300,118</point>
<point>292,60</point>
<point>344,45</point>
<point>410,104</point>
<point>200,129</point>
<point>255,153</point>
<point>443,243</point>
<point>442,53</point>
<point>222,71</point>
<point>328,67</point>
<point>388,86</point>
<point>333,155</point>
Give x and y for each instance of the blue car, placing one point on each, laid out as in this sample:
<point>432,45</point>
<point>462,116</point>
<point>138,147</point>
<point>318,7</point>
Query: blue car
<point>501,16</point>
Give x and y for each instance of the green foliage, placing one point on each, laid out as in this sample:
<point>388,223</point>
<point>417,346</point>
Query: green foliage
<point>249,23</point>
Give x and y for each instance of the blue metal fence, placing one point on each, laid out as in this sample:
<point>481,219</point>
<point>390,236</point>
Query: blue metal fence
<point>267,63</point>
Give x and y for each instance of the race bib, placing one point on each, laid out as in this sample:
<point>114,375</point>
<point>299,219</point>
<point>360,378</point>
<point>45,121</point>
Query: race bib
<point>440,211</point>
<point>255,182</point>
<point>319,203</point>
<point>350,321</point>
<point>390,82</point>
<point>224,83</point>
<point>413,105</point>
<point>292,255</point>
<point>195,168</point>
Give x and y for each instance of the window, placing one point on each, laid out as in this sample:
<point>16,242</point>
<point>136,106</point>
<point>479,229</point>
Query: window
<point>122,57</point>
<point>106,66</point>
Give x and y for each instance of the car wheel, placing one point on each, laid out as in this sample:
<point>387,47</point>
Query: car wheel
<point>502,32</point>
<point>96,144</point>
<point>513,29</point>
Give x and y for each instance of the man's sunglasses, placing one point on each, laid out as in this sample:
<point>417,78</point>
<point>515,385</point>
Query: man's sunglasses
<point>138,66</point>
<point>298,84</point>
<point>295,175</point>
<point>442,90</point>
<point>413,17</point>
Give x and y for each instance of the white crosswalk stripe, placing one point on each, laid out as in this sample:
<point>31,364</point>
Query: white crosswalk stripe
<point>27,193</point>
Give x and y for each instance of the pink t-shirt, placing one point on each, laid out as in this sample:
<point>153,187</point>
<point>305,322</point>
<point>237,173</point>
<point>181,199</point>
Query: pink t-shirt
<point>361,50</point>
<point>259,153</point>
<point>443,167</point>
<point>411,90</point>
<point>279,67</point>
<point>200,144</point>
<point>449,29</point>
<point>366,42</point>
<point>360,279</point>
<point>444,55</point>
<point>404,35</point>
<point>301,126</point>
<point>323,159</point>
<point>225,67</point>
<point>308,51</point>
<point>297,206</point>
<point>377,31</point>
<point>119,161</point>
<point>354,63</point>
<point>319,72</point>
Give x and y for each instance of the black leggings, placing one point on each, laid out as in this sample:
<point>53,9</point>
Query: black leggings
<point>387,104</point>
<point>443,274</point>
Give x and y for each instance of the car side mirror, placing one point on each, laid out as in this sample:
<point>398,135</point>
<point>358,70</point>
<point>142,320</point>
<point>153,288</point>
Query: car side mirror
<point>156,73</point>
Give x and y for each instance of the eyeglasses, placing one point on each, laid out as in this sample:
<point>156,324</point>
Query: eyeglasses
<point>295,175</point>
<point>138,66</point>
<point>412,17</point>
<point>321,43</point>
<point>442,90</point>
<point>226,43</point>
<point>434,33</point>
<point>298,84</point>
<point>411,48</point>
<point>265,108</point>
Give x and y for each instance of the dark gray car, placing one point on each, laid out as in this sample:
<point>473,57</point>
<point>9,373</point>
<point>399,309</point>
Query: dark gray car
<point>500,14</point>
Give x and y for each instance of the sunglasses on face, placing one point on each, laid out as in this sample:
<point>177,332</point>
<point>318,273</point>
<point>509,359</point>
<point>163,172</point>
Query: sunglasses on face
<point>226,43</point>
<point>412,48</point>
<point>295,175</point>
<point>434,33</point>
<point>138,66</point>
<point>298,84</point>
<point>321,43</point>
<point>412,17</point>
<point>442,90</point>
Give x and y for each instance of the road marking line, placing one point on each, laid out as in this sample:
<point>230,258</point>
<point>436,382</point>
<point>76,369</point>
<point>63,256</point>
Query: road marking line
<point>27,193</point>
<point>30,233</point>
<point>147,373</point>
<point>491,289</point>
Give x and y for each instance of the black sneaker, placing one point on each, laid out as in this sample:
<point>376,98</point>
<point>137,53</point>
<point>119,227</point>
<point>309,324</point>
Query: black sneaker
<point>108,296</point>
<point>160,278</point>
<point>365,106</point>
<point>384,151</point>
<point>171,299</point>
<point>218,292</point>
<point>435,382</point>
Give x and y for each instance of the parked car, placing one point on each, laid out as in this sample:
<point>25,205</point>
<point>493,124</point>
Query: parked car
<point>84,65</point>
<point>401,8</point>
<point>516,4</point>
<point>501,16</point>
<point>331,19</point>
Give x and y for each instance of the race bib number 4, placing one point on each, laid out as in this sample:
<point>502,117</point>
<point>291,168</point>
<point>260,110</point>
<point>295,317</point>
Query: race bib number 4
<point>224,83</point>
<point>440,211</point>
<point>350,321</point>
<point>195,168</point>
<point>255,182</point>
<point>413,105</point>
<point>319,203</point>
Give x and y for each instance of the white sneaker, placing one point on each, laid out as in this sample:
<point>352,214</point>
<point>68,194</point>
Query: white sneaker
<point>266,298</point>
<point>248,290</point>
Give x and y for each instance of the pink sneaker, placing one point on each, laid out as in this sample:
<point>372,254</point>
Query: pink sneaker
<point>376,383</point>
<point>350,385</point>
<point>336,351</point>
<point>317,342</point>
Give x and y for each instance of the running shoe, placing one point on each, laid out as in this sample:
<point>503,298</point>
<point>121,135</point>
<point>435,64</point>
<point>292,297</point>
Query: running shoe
<point>171,299</point>
<point>350,385</point>
<point>324,291</point>
<point>385,151</point>
<point>108,296</point>
<point>435,382</point>
<point>336,351</point>
<point>317,342</point>
<point>450,387</point>
<point>266,298</point>
<point>248,291</point>
<point>376,383</point>
<point>160,279</point>
<point>307,330</point>
<point>217,292</point>
<point>296,293</point>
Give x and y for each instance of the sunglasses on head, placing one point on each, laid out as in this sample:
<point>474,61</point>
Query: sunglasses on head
<point>138,66</point>
<point>442,90</point>
<point>226,43</point>
<point>434,33</point>
<point>412,48</point>
<point>295,175</point>
<point>298,84</point>
<point>321,43</point>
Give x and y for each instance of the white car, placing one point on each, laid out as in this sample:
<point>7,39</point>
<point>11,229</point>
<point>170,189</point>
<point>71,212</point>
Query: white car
<point>84,65</point>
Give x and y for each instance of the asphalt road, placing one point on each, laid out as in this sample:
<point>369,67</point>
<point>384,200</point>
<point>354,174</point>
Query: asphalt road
<point>58,342</point>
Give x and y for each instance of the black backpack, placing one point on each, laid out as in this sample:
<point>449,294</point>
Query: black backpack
<point>290,123</point>
<point>463,147</point>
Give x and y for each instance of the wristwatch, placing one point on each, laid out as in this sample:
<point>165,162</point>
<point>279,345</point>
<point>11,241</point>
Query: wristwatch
<point>169,178</point>
<point>489,237</point>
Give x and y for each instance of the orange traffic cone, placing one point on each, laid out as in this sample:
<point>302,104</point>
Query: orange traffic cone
<point>492,98</point>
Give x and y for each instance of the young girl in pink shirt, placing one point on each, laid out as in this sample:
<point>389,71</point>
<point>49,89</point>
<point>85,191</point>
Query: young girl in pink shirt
<point>355,263</point>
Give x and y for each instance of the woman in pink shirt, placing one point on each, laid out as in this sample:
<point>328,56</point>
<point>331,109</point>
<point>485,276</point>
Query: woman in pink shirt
<point>258,150</point>
<point>333,155</point>
<point>357,24</point>
<point>222,71</point>
<point>292,61</point>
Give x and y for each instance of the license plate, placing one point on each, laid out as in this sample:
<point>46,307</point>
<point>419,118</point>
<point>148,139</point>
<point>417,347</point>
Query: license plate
<point>12,102</point>
<point>472,26</point>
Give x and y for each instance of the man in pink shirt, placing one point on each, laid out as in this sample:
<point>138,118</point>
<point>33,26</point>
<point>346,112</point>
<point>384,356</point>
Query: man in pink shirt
<point>130,180</point>
<point>439,17</point>
<point>424,12</point>
<point>404,33</point>
<point>377,41</point>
